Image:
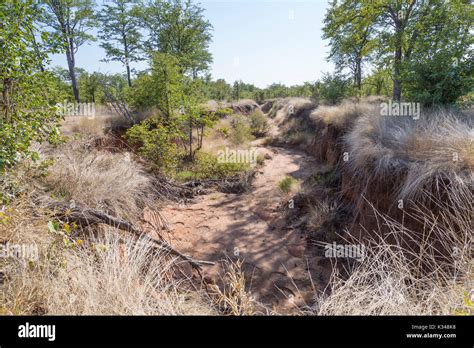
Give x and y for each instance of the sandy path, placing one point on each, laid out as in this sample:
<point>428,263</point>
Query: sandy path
<point>251,227</point>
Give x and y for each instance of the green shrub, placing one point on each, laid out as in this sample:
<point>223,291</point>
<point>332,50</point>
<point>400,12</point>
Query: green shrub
<point>156,139</point>
<point>223,112</point>
<point>258,124</point>
<point>437,81</point>
<point>206,166</point>
<point>25,113</point>
<point>334,88</point>
<point>287,184</point>
<point>241,131</point>
<point>225,131</point>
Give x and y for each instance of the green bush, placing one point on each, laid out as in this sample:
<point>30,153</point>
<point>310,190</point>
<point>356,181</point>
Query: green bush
<point>25,113</point>
<point>156,139</point>
<point>438,80</point>
<point>206,166</point>
<point>241,131</point>
<point>334,88</point>
<point>258,124</point>
<point>287,184</point>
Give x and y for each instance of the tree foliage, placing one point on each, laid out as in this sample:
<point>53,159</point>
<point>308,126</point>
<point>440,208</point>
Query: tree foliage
<point>179,28</point>
<point>349,29</point>
<point>120,33</point>
<point>426,44</point>
<point>442,69</point>
<point>334,88</point>
<point>70,20</point>
<point>25,115</point>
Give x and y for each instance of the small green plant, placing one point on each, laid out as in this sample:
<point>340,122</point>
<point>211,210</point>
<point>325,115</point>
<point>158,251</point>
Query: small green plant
<point>287,184</point>
<point>207,166</point>
<point>156,140</point>
<point>258,124</point>
<point>224,130</point>
<point>467,307</point>
<point>323,178</point>
<point>241,131</point>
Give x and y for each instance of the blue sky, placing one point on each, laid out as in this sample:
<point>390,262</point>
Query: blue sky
<point>259,42</point>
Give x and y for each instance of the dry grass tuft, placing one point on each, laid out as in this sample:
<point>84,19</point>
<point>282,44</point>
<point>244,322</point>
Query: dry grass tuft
<point>93,125</point>
<point>419,155</point>
<point>234,298</point>
<point>320,212</point>
<point>395,281</point>
<point>341,115</point>
<point>111,182</point>
<point>103,277</point>
<point>95,270</point>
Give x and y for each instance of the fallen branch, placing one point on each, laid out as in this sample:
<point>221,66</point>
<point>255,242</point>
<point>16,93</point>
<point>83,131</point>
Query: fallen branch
<point>85,216</point>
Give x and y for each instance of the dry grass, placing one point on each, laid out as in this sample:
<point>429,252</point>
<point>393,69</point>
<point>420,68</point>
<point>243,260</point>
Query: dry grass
<point>395,281</point>
<point>292,117</point>
<point>104,276</point>
<point>423,267</point>
<point>374,99</point>
<point>341,115</point>
<point>111,182</point>
<point>320,212</point>
<point>93,125</point>
<point>234,298</point>
<point>283,108</point>
<point>96,270</point>
<point>421,154</point>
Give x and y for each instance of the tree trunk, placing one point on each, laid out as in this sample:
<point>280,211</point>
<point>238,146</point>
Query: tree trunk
<point>127,59</point>
<point>129,79</point>
<point>397,83</point>
<point>359,75</point>
<point>190,138</point>
<point>36,49</point>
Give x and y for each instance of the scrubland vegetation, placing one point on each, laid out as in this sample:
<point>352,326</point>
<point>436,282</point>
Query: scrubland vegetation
<point>87,193</point>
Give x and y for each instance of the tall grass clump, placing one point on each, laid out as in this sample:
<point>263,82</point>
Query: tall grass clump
<point>107,275</point>
<point>392,280</point>
<point>341,115</point>
<point>415,160</point>
<point>112,182</point>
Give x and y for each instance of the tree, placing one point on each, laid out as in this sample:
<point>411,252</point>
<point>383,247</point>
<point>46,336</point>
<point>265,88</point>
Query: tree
<point>397,23</point>
<point>237,90</point>
<point>334,88</point>
<point>441,69</point>
<point>25,115</point>
<point>89,85</point>
<point>120,33</point>
<point>277,90</point>
<point>406,35</point>
<point>168,83</point>
<point>379,82</point>
<point>179,28</point>
<point>219,90</point>
<point>70,20</point>
<point>349,28</point>
<point>179,99</point>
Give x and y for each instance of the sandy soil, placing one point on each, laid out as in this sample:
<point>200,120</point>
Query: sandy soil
<point>282,271</point>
